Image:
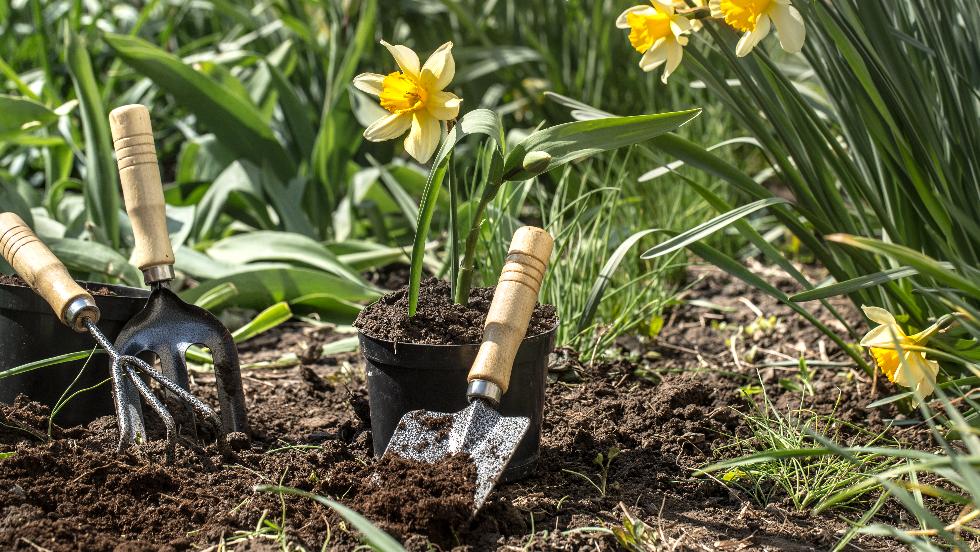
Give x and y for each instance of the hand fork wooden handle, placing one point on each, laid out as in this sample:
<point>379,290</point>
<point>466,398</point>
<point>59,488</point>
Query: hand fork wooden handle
<point>45,274</point>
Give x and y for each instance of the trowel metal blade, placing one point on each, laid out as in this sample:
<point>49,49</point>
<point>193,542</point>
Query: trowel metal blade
<point>478,430</point>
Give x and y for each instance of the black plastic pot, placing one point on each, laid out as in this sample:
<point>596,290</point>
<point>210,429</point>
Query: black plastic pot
<point>402,377</point>
<point>29,331</point>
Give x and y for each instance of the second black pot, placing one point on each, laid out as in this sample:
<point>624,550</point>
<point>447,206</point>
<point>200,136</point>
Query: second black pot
<point>402,377</point>
<point>29,332</point>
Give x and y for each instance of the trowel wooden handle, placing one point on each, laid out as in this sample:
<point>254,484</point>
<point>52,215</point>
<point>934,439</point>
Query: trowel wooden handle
<point>38,266</point>
<point>512,305</point>
<point>139,173</point>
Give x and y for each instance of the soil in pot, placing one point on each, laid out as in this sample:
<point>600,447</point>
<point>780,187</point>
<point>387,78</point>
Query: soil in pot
<point>94,289</point>
<point>438,320</point>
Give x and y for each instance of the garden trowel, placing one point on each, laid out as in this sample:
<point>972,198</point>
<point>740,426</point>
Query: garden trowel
<point>167,326</point>
<point>479,430</point>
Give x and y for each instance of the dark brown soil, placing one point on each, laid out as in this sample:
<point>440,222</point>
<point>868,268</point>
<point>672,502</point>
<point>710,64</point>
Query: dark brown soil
<point>429,499</point>
<point>439,321</point>
<point>15,280</point>
<point>674,403</point>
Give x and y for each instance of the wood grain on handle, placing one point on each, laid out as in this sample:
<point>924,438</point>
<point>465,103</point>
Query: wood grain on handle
<point>512,305</point>
<point>38,266</point>
<point>139,173</point>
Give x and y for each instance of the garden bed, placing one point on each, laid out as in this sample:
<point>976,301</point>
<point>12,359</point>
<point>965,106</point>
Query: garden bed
<point>672,404</point>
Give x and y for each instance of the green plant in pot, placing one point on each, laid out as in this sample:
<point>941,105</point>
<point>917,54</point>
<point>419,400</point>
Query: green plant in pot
<point>409,368</point>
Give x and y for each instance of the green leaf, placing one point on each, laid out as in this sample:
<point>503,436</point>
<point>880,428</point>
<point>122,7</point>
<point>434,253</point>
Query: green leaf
<point>44,363</point>
<point>101,179</point>
<point>924,264</point>
<point>216,296</point>
<point>260,287</point>
<point>20,115</point>
<point>373,536</point>
<point>329,307</point>
<point>235,121</point>
<point>266,320</point>
<point>703,230</point>
<point>281,246</point>
<point>855,284</point>
<point>577,140</point>
<point>91,257</point>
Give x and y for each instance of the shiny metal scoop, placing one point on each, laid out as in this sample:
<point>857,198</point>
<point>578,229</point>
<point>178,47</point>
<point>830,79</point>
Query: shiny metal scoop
<point>478,431</point>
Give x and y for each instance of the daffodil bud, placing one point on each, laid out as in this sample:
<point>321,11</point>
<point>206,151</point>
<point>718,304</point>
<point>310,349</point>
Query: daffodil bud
<point>536,162</point>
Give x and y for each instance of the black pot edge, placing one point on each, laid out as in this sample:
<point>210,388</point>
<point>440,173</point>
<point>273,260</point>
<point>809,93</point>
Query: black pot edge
<point>121,306</point>
<point>390,343</point>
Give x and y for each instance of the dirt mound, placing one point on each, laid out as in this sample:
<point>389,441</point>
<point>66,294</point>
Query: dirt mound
<point>407,497</point>
<point>439,321</point>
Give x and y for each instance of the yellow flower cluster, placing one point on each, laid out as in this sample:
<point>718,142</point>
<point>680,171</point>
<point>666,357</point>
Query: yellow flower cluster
<point>659,30</point>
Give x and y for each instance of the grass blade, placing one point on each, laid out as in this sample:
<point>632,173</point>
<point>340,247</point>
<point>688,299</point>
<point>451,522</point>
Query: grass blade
<point>373,536</point>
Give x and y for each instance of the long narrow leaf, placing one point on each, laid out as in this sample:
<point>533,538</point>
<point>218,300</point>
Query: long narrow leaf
<point>706,229</point>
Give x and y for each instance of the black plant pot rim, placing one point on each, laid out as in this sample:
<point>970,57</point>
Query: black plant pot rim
<point>118,306</point>
<point>437,346</point>
<point>442,357</point>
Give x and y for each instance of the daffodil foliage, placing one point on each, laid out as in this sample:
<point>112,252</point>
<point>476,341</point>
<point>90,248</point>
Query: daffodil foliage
<point>542,151</point>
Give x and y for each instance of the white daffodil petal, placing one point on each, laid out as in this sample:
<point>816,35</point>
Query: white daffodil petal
<point>750,39</point>
<point>655,56</point>
<point>680,25</point>
<point>789,27</point>
<point>917,373</point>
<point>443,105</point>
<point>879,315</point>
<point>369,82</point>
<point>884,337</point>
<point>675,52</point>
<point>440,68</point>
<point>405,57</point>
<point>424,137</point>
<point>388,127</point>
<point>663,6</point>
<point>715,7</point>
<point>621,22</point>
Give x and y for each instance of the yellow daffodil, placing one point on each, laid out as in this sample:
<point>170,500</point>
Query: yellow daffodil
<point>415,99</point>
<point>915,372</point>
<point>657,33</point>
<point>755,18</point>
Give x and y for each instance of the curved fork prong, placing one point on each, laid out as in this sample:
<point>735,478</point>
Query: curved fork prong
<point>157,406</point>
<point>203,409</point>
<point>118,397</point>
